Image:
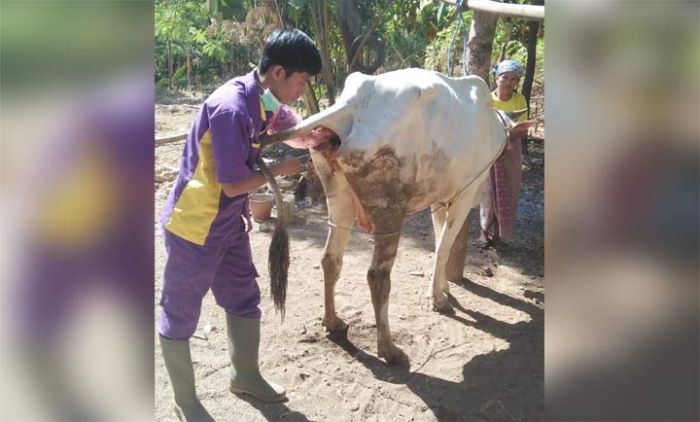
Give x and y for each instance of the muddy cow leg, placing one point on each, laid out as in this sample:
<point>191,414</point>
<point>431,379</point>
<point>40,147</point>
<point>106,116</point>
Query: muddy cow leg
<point>383,196</point>
<point>332,260</point>
<point>379,281</point>
<point>457,213</point>
<point>439,216</point>
<point>341,212</point>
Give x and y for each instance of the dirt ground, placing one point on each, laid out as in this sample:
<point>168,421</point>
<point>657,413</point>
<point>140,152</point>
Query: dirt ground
<point>484,363</point>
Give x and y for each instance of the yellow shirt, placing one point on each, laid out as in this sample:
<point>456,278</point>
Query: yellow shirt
<point>516,102</point>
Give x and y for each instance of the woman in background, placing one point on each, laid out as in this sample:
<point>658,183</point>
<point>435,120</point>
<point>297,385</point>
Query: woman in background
<point>499,204</point>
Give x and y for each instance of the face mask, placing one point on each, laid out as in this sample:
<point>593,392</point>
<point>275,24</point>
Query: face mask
<point>269,101</point>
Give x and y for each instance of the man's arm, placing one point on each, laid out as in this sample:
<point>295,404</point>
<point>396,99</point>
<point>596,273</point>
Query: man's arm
<point>229,132</point>
<point>257,179</point>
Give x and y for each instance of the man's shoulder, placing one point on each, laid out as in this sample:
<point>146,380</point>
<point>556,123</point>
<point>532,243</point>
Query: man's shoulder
<point>229,98</point>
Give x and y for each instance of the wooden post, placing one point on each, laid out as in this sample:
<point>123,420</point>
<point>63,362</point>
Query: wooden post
<point>521,11</point>
<point>533,29</point>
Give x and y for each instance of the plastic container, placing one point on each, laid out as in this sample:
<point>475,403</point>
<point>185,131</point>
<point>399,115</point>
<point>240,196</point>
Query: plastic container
<point>261,206</point>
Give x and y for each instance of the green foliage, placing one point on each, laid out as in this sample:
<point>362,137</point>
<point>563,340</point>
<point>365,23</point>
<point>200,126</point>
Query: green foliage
<point>214,46</point>
<point>183,29</point>
<point>161,84</point>
<point>436,51</point>
<point>179,74</point>
<point>177,23</point>
<point>518,32</point>
<point>175,20</point>
<point>299,11</point>
<point>431,19</point>
<point>233,9</point>
<point>403,35</point>
<point>415,32</point>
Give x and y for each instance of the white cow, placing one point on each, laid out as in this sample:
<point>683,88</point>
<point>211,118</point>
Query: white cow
<point>406,140</point>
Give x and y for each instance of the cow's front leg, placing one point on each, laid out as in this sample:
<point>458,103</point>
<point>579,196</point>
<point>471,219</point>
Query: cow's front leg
<point>379,281</point>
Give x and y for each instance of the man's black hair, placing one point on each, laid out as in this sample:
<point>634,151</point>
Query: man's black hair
<point>293,50</point>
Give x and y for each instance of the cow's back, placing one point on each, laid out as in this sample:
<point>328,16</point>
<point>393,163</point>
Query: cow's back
<point>442,130</point>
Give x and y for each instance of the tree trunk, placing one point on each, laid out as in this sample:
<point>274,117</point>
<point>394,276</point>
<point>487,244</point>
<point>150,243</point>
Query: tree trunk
<point>310,100</point>
<point>480,44</point>
<point>327,75</point>
<point>504,47</point>
<point>314,190</point>
<point>196,75</point>
<point>533,29</point>
<point>188,64</point>
<point>170,68</point>
<point>348,15</point>
<point>213,8</point>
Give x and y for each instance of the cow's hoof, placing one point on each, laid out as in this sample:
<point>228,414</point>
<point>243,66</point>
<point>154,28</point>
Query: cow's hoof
<point>394,356</point>
<point>442,304</point>
<point>334,324</point>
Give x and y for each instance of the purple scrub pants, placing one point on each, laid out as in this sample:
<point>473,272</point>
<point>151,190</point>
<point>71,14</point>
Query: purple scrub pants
<point>191,270</point>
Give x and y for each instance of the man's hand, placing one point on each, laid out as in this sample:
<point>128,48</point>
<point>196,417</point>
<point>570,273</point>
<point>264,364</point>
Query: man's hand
<point>288,167</point>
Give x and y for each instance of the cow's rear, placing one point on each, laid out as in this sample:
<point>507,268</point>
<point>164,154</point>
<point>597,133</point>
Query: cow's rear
<point>409,140</point>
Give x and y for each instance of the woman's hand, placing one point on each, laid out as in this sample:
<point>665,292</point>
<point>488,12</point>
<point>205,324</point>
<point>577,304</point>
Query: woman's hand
<point>517,133</point>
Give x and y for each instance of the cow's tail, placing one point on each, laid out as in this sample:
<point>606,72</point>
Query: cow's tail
<point>326,118</point>
<point>278,254</point>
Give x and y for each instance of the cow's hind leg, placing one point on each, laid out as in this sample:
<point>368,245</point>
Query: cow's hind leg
<point>438,212</point>
<point>457,212</point>
<point>332,263</point>
<point>379,279</point>
<point>340,209</point>
<point>439,216</point>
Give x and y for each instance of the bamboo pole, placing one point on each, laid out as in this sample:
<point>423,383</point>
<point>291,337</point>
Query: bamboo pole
<point>522,11</point>
<point>171,139</point>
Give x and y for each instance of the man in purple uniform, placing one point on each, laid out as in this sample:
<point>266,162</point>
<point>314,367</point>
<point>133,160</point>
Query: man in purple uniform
<point>206,216</point>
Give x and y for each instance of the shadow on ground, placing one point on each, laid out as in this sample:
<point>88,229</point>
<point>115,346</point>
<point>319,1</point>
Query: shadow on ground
<point>275,411</point>
<point>501,385</point>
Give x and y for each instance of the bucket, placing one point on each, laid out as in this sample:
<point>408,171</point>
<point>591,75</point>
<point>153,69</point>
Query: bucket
<point>261,206</point>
